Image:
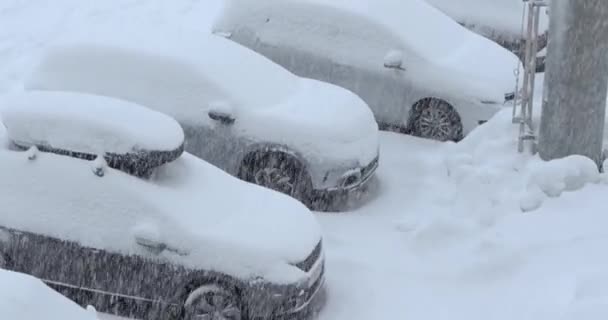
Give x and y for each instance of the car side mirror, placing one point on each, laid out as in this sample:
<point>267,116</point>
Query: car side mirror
<point>151,245</point>
<point>222,112</point>
<point>221,117</point>
<point>394,60</point>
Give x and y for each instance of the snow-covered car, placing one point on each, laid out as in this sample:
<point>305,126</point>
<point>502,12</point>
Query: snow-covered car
<point>23,297</point>
<point>239,110</point>
<point>500,20</point>
<point>416,68</point>
<point>185,241</point>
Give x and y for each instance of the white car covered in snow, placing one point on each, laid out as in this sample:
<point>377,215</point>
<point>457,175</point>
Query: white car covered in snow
<point>240,111</point>
<point>179,240</point>
<point>416,68</point>
<point>23,297</point>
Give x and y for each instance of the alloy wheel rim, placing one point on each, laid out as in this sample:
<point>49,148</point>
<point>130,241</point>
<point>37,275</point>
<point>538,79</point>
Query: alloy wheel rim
<point>435,123</point>
<point>274,178</point>
<point>215,306</point>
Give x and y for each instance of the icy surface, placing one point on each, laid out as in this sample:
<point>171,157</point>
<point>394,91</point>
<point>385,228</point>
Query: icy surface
<point>25,298</point>
<point>86,123</point>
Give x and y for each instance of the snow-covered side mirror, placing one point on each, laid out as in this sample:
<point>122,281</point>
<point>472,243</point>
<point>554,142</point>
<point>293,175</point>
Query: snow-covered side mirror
<point>394,60</point>
<point>222,112</point>
<point>225,34</point>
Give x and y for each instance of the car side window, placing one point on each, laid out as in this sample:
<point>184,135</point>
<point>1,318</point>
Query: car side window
<point>331,32</point>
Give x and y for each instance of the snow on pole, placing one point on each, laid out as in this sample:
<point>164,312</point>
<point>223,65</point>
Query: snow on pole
<point>576,80</point>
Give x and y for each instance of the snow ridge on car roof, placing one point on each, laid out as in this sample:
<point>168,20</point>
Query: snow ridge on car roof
<point>87,123</point>
<point>131,138</point>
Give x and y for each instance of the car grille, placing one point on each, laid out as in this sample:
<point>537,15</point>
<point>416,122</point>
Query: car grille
<point>310,261</point>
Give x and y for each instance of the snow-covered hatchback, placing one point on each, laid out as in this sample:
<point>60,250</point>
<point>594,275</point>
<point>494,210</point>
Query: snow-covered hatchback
<point>417,69</point>
<point>180,240</point>
<point>239,110</point>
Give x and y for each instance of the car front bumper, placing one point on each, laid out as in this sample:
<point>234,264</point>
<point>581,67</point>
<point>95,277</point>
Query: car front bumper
<point>297,301</point>
<point>348,178</point>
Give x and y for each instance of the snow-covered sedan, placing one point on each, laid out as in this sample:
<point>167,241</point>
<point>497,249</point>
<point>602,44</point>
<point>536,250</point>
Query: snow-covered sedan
<point>179,240</point>
<point>240,111</point>
<point>416,68</point>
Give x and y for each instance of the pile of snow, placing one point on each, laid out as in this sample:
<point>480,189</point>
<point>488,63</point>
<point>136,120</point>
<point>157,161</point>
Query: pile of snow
<point>503,17</point>
<point>490,173</point>
<point>87,124</point>
<point>26,298</point>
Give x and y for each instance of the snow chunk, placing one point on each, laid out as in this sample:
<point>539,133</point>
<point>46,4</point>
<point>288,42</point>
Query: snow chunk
<point>99,166</point>
<point>394,59</point>
<point>567,174</point>
<point>87,124</point>
<point>532,199</point>
<point>32,153</point>
<point>24,297</point>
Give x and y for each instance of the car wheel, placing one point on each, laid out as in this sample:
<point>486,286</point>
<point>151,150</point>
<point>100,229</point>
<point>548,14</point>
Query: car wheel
<point>212,302</point>
<point>281,173</point>
<point>437,120</point>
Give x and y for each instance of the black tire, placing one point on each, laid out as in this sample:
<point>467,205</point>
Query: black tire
<point>211,299</point>
<point>5,261</point>
<point>436,120</point>
<point>280,172</point>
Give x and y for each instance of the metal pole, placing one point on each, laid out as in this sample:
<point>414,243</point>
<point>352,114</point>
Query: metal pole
<point>576,80</point>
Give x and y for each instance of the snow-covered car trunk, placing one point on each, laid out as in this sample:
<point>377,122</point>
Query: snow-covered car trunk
<point>159,237</point>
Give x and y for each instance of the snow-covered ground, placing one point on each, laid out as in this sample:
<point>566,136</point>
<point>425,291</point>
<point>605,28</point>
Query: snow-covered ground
<point>441,233</point>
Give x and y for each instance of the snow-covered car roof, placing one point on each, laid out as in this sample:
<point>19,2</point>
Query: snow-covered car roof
<point>219,222</point>
<point>202,61</point>
<point>438,52</point>
<point>87,123</point>
<point>503,16</point>
<point>23,297</point>
<point>418,25</point>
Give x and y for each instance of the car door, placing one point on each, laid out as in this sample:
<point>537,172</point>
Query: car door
<point>142,286</point>
<point>58,263</point>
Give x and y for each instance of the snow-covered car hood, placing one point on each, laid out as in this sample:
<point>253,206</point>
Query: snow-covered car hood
<point>220,222</point>
<point>478,69</point>
<point>502,16</point>
<point>320,119</point>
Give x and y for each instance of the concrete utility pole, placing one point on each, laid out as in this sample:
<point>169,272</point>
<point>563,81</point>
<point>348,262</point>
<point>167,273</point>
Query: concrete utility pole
<point>576,80</point>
